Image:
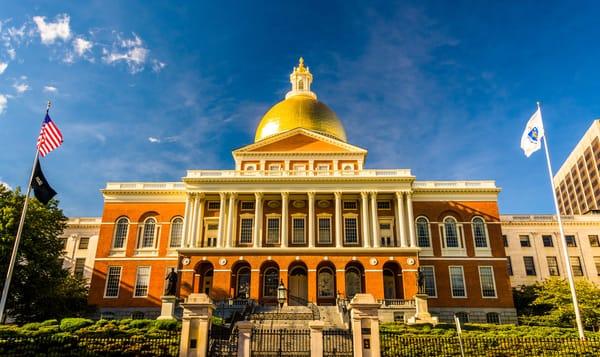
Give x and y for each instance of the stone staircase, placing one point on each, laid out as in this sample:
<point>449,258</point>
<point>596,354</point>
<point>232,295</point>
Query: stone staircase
<point>295,317</point>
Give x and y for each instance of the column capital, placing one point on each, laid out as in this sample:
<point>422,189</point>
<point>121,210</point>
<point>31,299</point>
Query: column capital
<point>222,195</point>
<point>399,194</point>
<point>311,194</point>
<point>232,195</point>
<point>373,193</point>
<point>364,194</point>
<point>258,195</point>
<point>338,194</point>
<point>285,194</point>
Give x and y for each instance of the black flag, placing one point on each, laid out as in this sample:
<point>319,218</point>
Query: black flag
<point>41,189</point>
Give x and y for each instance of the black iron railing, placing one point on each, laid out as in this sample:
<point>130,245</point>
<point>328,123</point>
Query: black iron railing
<point>280,342</point>
<point>337,343</point>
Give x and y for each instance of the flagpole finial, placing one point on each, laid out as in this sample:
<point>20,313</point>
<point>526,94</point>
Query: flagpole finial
<point>48,106</point>
<point>538,104</point>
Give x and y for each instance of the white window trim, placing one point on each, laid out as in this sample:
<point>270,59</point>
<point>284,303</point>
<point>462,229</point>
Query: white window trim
<point>148,250</point>
<point>493,282</point>
<point>272,216</point>
<point>246,216</point>
<point>264,281</point>
<point>487,251</point>
<point>275,169</point>
<point>302,172</point>
<point>136,281</point>
<point>384,209</point>
<point>355,216</point>
<point>425,251</point>
<point>462,270</point>
<point>113,249</point>
<point>106,282</point>
<point>348,169</point>
<point>390,221</point>
<point>171,233</point>
<point>247,209</point>
<point>321,172</point>
<point>212,209</point>
<point>350,209</point>
<point>324,216</point>
<point>301,216</point>
<point>434,280</point>
<point>250,167</point>
<point>332,272</point>
<point>454,252</point>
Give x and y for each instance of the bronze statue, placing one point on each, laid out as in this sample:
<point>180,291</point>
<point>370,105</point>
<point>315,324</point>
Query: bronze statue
<point>172,284</point>
<point>421,281</point>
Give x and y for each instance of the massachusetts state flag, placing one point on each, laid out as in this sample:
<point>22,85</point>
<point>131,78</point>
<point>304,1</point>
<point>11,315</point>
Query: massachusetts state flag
<point>531,141</point>
<point>50,137</point>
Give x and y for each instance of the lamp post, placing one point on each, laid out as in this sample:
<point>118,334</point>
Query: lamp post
<point>281,294</point>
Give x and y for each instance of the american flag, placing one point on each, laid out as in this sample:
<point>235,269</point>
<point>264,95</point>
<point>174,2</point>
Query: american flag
<point>50,137</point>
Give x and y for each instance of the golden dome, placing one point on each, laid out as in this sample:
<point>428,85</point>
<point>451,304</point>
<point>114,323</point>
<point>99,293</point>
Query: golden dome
<point>300,109</point>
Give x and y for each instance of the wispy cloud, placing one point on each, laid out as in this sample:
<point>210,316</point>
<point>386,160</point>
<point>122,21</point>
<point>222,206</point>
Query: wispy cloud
<point>3,103</point>
<point>157,65</point>
<point>82,46</point>
<point>130,51</point>
<point>21,87</point>
<point>153,139</point>
<point>3,67</point>
<point>50,89</point>
<point>52,31</point>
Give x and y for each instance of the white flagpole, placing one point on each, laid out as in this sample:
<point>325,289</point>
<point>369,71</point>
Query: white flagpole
<point>13,258</point>
<point>563,244</point>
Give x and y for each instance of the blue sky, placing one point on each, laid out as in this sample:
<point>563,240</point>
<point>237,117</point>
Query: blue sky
<point>145,90</point>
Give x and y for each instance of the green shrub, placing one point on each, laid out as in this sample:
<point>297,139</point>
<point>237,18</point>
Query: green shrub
<point>166,325</point>
<point>141,324</point>
<point>32,326</point>
<point>123,321</point>
<point>72,324</point>
<point>52,322</point>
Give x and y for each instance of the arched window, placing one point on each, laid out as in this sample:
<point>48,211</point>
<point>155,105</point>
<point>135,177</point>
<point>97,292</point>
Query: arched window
<point>451,233</point>
<point>300,85</point>
<point>325,283</point>
<point>423,237</point>
<point>270,282</point>
<point>353,282</point>
<point>479,234</point>
<point>492,318</point>
<point>148,233</point>
<point>121,229</point>
<point>389,284</point>
<point>463,317</point>
<point>176,232</point>
<point>243,283</point>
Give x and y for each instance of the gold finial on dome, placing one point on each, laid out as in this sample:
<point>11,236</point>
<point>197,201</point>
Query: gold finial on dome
<point>301,79</point>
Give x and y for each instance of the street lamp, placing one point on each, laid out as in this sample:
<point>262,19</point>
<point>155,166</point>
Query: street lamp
<point>281,292</point>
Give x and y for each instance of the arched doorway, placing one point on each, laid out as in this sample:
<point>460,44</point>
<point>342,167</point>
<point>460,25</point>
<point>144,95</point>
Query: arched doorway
<point>205,273</point>
<point>240,280</point>
<point>326,284</point>
<point>269,281</point>
<point>297,285</point>
<point>392,281</point>
<point>354,279</point>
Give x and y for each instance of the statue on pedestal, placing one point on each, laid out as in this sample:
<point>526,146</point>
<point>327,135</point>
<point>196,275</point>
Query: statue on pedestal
<point>172,284</point>
<point>421,282</point>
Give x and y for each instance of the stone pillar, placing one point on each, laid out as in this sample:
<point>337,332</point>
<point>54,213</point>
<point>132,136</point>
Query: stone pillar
<point>199,224</point>
<point>187,219</point>
<point>411,220</point>
<point>364,200</point>
<point>231,220</point>
<point>365,325</point>
<point>311,219</point>
<point>197,314</point>
<point>285,196</point>
<point>221,234</point>
<point>316,338</point>
<point>244,337</point>
<point>338,219</point>
<point>258,219</point>
<point>422,315</point>
<point>401,226</point>
<point>194,222</point>
<point>167,309</point>
<point>375,221</point>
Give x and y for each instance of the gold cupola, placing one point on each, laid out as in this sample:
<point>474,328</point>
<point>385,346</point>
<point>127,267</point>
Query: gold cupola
<point>300,109</point>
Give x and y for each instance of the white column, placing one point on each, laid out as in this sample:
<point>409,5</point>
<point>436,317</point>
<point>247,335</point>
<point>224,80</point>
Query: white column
<point>231,220</point>
<point>284,219</point>
<point>194,223</point>
<point>400,216</point>
<point>199,224</point>
<point>364,210</point>
<point>258,219</point>
<point>338,219</point>
<point>221,234</point>
<point>375,221</point>
<point>311,219</point>
<point>186,219</point>
<point>411,220</point>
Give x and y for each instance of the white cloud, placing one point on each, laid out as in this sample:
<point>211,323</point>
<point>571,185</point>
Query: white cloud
<point>2,183</point>
<point>50,89</point>
<point>157,65</point>
<point>3,103</point>
<point>21,87</point>
<point>153,139</point>
<point>130,51</point>
<point>51,31</point>
<point>3,66</point>
<point>82,46</point>
<point>12,53</point>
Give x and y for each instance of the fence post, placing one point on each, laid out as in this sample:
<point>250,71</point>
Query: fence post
<point>195,326</point>
<point>316,338</point>
<point>364,312</point>
<point>244,337</point>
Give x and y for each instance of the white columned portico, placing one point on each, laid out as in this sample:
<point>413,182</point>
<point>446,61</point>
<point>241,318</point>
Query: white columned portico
<point>284,218</point>
<point>411,220</point>
<point>364,210</point>
<point>374,221</point>
<point>311,219</point>
<point>194,221</point>
<point>187,219</point>
<point>258,208</point>
<point>400,216</point>
<point>338,219</point>
<point>198,222</point>
<point>221,233</point>
<point>231,219</point>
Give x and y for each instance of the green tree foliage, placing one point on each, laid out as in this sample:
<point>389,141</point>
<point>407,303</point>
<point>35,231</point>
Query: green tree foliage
<point>40,289</point>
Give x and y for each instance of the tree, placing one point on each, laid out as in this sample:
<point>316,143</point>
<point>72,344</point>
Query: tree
<point>40,288</point>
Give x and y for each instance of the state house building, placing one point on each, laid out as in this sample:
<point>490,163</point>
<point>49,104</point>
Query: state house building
<point>300,207</point>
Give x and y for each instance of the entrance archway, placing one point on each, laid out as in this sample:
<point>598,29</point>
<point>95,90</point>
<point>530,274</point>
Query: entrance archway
<point>269,281</point>
<point>326,284</point>
<point>240,280</point>
<point>392,281</point>
<point>354,279</point>
<point>205,272</point>
<point>298,285</point>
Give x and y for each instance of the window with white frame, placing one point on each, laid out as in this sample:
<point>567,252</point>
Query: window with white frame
<point>142,281</point>
<point>350,230</point>
<point>529,266</point>
<point>488,284</point>
<point>323,169</point>
<point>429,280</point>
<point>113,281</point>
<point>84,242</point>
<point>274,169</point>
<point>176,233</point>
<point>552,266</point>
<point>148,233</point>
<point>348,169</point>
<point>457,282</point>
<point>121,229</point>
<point>246,225</point>
<point>324,230</point>
<point>250,167</point>
<point>299,169</point>
<point>384,205</point>
<point>298,231</point>
<point>214,205</point>
<point>423,235</point>
<point>247,205</point>
<point>350,205</point>
<point>479,233</point>
<point>273,228</point>
<point>79,267</point>
<point>576,266</point>
<point>451,233</point>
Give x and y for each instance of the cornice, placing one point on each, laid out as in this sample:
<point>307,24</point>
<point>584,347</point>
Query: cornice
<point>324,251</point>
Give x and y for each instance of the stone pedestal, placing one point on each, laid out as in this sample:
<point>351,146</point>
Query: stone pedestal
<point>167,309</point>
<point>422,316</point>
<point>245,334</point>
<point>316,338</point>
<point>197,314</point>
<point>364,318</point>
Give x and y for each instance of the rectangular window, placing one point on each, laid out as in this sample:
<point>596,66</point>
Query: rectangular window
<point>488,284</point>
<point>246,230</point>
<point>142,279</point>
<point>274,168</point>
<point>351,230</point>
<point>323,169</point>
<point>247,205</point>
<point>509,267</point>
<point>79,267</point>
<point>84,242</point>
<point>529,266</point>
<point>211,242</point>
<point>552,266</point>
<point>429,280</point>
<point>457,281</point>
<point>505,240</point>
<point>384,205</point>
<point>524,239</point>
<point>214,205</point>
<point>298,231</point>
<point>325,230</point>
<point>594,242</point>
<point>597,263</point>
<point>272,230</point>
<point>350,205</point>
<point>113,281</point>
<point>576,266</point>
<point>300,170</point>
<point>63,241</point>
<point>570,239</point>
<point>547,240</point>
